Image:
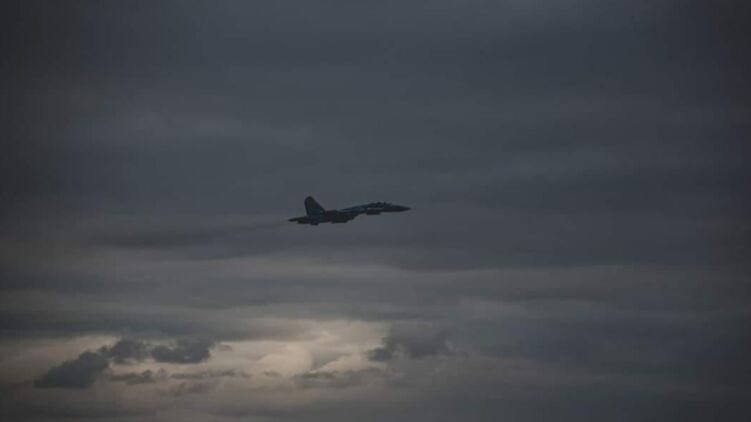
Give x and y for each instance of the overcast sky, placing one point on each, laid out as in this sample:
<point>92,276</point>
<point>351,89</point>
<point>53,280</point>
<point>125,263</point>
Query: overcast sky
<point>577,247</point>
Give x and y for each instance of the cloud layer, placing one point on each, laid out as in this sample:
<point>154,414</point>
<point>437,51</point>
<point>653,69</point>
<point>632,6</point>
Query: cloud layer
<point>83,371</point>
<point>577,241</point>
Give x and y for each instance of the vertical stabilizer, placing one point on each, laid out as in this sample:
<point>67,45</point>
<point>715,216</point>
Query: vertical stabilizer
<point>312,207</point>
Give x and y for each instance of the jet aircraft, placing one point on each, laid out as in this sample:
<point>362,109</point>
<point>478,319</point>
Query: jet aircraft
<point>316,214</point>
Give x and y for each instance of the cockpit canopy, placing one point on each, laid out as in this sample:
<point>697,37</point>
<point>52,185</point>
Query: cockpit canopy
<point>378,204</point>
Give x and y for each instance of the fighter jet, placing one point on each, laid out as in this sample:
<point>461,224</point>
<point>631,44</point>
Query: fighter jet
<point>316,214</point>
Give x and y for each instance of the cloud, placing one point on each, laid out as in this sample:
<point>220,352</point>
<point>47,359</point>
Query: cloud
<point>183,351</point>
<point>340,379</point>
<point>83,371</point>
<point>576,171</point>
<point>160,234</point>
<point>132,378</point>
<point>186,388</point>
<point>126,350</point>
<point>77,373</point>
<point>208,374</point>
<point>412,340</point>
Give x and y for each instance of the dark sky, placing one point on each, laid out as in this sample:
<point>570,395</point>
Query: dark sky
<point>577,247</point>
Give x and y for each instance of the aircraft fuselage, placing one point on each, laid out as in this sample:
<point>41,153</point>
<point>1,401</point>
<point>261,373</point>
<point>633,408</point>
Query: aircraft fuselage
<point>316,214</point>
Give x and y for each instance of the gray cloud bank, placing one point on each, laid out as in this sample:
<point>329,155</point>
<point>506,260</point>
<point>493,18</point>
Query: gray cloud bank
<point>412,340</point>
<point>78,373</point>
<point>576,171</point>
<point>83,371</point>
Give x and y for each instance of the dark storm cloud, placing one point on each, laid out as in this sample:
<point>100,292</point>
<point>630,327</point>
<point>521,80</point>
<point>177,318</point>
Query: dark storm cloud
<point>134,378</point>
<point>597,153</point>
<point>176,232</point>
<point>340,379</point>
<point>677,346</point>
<point>126,350</point>
<point>83,371</point>
<point>576,172</point>
<point>77,373</point>
<point>203,375</point>
<point>183,351</point>
<point>187,388</point>
<point>413,340</point>
<point>67,316</point>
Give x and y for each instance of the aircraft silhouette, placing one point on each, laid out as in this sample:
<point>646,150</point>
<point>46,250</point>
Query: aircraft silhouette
<point>316,214</point>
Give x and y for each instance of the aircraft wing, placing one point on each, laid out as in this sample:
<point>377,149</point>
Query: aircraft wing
<point>342,217</point>
<point>353,210</point>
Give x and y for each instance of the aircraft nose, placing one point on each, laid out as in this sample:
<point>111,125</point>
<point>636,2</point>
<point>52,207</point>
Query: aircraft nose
<point>402,208</point>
